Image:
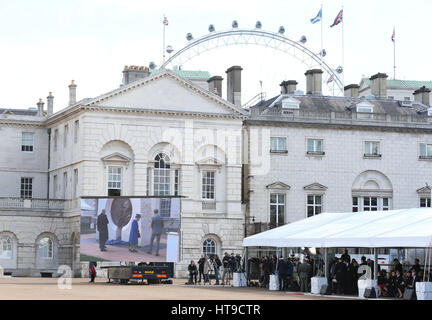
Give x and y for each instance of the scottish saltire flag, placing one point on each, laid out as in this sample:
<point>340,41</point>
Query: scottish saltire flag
<point>393,35</point>
<point>338,19</point>
<point>165,21</point>
<point>331,78</point>
<point>317,18</point>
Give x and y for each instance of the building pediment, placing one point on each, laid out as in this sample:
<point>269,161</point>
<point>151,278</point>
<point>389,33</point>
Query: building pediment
<point>166,91</point>
<point>278,186</point>
<point>209,161</point>
<point>116,157</point>
<point>315,187</point>
<point>424,190</point>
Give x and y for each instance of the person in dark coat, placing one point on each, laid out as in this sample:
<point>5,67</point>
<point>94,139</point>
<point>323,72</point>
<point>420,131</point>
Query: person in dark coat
<point>216,265</point>
<point>201,267</point>
<point>304,271</point>
<point>346,256</point>
<point>341,276</point>
<point>282,270</point>
<point>290,271</point>
<point>416,267</point>
<point>412,281</point>
<point>102,227</point>
<point>157,225</point>
<point>192,268</point>
<point>351,278</point>
<point>134,234</point>
<point>332,275</point>
<point>397,266</point>
<point>226,270</point>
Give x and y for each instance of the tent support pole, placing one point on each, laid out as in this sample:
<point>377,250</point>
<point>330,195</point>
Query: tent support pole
<point>375,275</point>
<point>326,265</point>
<point>246,265</point>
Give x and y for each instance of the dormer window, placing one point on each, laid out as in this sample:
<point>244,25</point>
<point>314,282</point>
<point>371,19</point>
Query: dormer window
<point>365,110</point>
<point>290,103</point>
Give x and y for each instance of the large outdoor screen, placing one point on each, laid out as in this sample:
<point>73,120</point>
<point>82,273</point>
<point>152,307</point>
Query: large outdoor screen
<point>130,229</point>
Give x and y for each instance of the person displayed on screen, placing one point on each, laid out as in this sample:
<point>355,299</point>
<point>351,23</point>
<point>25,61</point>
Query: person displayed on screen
<point>102,227</point>
<point>157,230</point>
<point>134,234</point>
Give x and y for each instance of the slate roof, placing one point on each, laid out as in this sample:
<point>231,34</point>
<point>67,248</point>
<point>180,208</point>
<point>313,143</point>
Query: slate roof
<point>19,112</point>
<point>325,104</point>
<point>188,74</point>
<point>402,84</point>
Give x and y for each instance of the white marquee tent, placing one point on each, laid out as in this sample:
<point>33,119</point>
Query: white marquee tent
<point>409,228</point>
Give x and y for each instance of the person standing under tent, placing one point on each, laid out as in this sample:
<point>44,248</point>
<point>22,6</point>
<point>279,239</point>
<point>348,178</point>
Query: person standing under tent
<point>304,271</point>
<point>282,271</point>
<point>134,234</point>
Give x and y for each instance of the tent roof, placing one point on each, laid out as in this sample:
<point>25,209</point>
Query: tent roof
<point>408,228</point>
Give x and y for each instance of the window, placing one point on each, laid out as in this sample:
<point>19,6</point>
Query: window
<point>208,185</point>
<point>372,149</point>
<point>148,181</point>
<point>76,131</point>
<point>314,205</point>
<point>277,210</point>
<point>26,188</point>
<point>75,190</point>
<point>55,187</point>
<point>114,181</point>
<point>425,150</point>
<point>356,204</point>
<point>365,110</point>
<point>278,145</point>
<point>425,202</point>
<point>165,207</point>
<point>407,99</point>
<point>371,203</point>
<point>162,175</point>
<point>209,247</point>
<point>176,182</point>
<point>65,185</point>
<point>315,146</point>
<point>65,136</point>
<point>27,142</point>
<point>45,248</point>
<point>55,139</point>
<point>5,248</point>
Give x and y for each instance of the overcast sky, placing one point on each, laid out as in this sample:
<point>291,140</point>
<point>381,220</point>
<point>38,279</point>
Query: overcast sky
<point>45,44</point>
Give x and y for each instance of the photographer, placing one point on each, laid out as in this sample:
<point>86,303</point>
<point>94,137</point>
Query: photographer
<point>216,265</point>
<point>193,271</point>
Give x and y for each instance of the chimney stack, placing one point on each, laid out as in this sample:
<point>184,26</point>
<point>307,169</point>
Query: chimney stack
<point>352,91</point>
<point>314,81</point>
<point>72,93</point>
<point>134,73</point>
<point>379,85</point>
<point>291,86</point>
<point>234,85</point>
<point>422,95</point>
<point>215,85</point>
<point>40,106</point>
<point>50,104</point>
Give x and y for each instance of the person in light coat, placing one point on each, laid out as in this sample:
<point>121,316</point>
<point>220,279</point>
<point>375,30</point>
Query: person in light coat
<point>207,269</point>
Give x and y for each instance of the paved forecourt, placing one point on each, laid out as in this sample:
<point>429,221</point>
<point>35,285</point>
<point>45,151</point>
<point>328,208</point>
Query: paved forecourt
<point>47,289</point>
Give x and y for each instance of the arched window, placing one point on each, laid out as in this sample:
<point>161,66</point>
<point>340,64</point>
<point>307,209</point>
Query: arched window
<point>209,247</point>
<point>162,169</point>
<point>5,248</point>
<point>45,248</point>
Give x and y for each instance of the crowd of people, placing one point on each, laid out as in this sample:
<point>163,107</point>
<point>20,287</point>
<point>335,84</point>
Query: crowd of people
<point>343,275</point>
<point>293,274</point>
<point>211,266</point>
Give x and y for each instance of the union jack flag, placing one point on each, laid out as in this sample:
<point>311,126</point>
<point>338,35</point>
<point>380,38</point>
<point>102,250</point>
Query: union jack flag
<point>338,19</point>
<point>330,79</point>
<point>165,21</point>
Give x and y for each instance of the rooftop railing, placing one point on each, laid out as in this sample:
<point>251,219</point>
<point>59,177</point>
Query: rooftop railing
<point>44,204</point>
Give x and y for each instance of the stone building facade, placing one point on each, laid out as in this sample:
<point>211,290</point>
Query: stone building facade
<point>161,115</point>
<point>310,154</point>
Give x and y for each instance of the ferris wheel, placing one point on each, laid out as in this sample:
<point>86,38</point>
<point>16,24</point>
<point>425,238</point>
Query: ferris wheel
<point>275,40</point>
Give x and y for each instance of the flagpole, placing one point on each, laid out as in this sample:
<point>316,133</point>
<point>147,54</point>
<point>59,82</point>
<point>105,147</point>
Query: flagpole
<point>343,50</point>
<point>394,53</point>
<point>322,23</point>
<point>163,49</point>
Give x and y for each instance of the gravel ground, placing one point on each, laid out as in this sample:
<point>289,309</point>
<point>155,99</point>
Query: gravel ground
<point>47,289</point>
